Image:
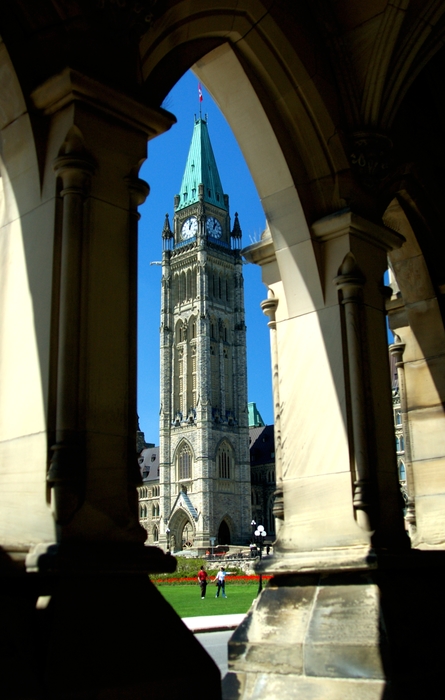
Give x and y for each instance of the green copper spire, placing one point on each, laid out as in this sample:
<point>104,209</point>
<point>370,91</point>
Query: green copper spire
<point>201,169</point>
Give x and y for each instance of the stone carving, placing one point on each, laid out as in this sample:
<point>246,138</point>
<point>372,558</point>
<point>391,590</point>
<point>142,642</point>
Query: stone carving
<point>370,158</point>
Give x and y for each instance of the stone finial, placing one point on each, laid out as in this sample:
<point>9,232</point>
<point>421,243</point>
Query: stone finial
<point>166,231</point>
<point>236,231</point>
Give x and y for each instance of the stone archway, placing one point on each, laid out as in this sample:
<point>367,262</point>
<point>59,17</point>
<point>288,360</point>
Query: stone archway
<point>182,532</point>
<point>224,536</point>
<point>187,535</point>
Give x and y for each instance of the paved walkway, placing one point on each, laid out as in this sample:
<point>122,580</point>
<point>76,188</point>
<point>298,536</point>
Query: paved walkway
<point>213,623</point>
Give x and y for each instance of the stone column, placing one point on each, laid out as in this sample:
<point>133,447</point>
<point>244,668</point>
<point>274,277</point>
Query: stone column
<point>97,141</point>
<point>350,282</point>
<point>138,191</point>
<point>269,307</point>
<point>95,575</point>
<point>320,629</point>
<point>67,471</point>
<point>415,314</point>
<point>396,349</point>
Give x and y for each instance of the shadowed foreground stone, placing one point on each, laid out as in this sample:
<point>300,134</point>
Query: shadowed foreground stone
<point>342,635</point>
<point>79,626</point>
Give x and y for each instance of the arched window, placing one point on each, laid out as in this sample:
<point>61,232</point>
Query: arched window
<point>155,534</point>
<point>402,471</point>
<point>215,378</point>
<point>193,288</point>
<point>182,288</point>
<point>225,461</point>
<point>185,462</point>
<point>193,376</point>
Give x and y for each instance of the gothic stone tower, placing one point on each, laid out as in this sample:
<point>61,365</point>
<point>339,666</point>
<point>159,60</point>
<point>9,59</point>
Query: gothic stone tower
<point>204,448</point>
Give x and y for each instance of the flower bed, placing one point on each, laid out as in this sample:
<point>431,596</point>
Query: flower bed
<point>188,580</point>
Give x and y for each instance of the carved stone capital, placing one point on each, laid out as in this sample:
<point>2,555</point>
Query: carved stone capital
<point>269,307</point>
<point>350,279</point>
<point>139,191</point>
<point>74,171</point>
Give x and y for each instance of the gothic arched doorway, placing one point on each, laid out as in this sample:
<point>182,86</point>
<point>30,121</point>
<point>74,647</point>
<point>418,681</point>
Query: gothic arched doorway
<point>187,536</point>
<point>224,533</point>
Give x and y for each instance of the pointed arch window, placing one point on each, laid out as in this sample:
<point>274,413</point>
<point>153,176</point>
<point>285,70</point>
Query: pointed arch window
<point>224,460</point>
<point>215,377</point>
<point>194,377</point>
<point>185,462</point>
<point>182,288</point>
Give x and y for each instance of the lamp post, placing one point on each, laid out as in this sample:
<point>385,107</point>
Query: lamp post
<point>167,532</point>
<point>252,541</point>
<point>260,534</point>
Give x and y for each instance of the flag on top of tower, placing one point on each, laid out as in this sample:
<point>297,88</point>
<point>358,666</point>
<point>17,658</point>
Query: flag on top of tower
<point>200,92</point>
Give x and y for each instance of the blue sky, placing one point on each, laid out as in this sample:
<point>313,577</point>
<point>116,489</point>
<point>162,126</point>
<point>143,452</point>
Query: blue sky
<point>163,171</point>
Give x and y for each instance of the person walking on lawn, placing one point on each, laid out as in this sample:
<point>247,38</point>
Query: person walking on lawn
<point>202,580</point>
<point>220,579</point>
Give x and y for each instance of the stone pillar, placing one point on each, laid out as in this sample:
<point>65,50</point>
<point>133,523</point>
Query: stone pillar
<point>341,495</point>
<point>67,471</point>
<point>269,307</point>
<point>421,371</point>
<point>350,282</point>
<point>416,316</point>
<point>97,141</point>
<point>328,623</point>
<point>396,349</point>
<point>89,573</point>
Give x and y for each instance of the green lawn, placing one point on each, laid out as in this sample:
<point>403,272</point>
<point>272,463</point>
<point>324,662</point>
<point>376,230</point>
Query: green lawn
<point>186,600</point>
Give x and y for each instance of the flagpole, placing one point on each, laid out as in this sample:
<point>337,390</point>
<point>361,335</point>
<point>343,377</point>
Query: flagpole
<point>200,100</point>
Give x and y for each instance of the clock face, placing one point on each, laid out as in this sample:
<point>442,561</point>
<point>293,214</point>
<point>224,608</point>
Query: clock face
<point>213,227</point>
<point>189,228</point>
